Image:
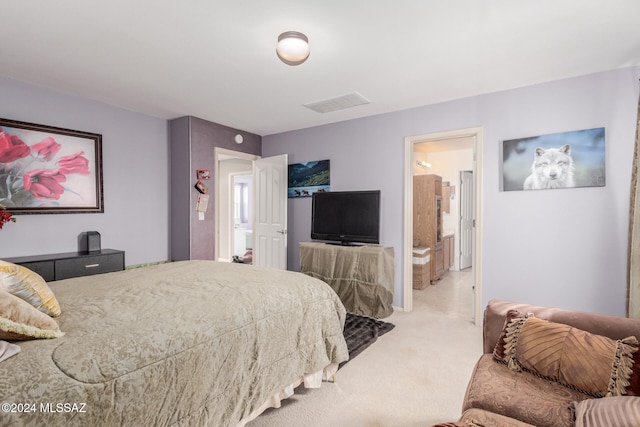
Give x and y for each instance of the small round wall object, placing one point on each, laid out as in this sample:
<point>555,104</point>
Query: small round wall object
<point>238,139</point>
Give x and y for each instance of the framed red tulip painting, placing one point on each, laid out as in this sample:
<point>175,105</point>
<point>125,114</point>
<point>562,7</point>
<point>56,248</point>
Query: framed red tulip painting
<point>45,169</point>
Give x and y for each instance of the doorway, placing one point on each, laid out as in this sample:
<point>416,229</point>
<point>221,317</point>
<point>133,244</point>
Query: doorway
<point>446,143</point>
<point>241,227</point>
<point>265,214</point>
<point>232,168</point>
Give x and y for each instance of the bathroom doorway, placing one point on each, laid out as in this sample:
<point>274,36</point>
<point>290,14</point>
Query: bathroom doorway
<point>442,146</point>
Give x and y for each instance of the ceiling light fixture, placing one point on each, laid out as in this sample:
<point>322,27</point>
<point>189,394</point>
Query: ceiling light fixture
<point>423,164</point>
<point>292,48</point>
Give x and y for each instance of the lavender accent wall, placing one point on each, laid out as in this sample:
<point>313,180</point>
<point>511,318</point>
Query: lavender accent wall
<point>136,176</point>
<point>565,248</point>
<point>193,141</point>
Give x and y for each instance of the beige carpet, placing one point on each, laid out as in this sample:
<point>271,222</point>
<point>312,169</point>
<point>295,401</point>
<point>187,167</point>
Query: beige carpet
<point>413,376</point>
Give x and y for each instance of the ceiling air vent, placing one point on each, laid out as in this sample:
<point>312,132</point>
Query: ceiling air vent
<point>339,103</point>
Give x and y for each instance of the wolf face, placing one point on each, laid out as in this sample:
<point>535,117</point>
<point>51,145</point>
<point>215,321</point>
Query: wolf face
<point>552,168</point>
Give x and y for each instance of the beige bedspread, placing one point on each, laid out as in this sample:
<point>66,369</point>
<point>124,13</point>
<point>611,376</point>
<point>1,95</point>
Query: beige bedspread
<point>185,343</point>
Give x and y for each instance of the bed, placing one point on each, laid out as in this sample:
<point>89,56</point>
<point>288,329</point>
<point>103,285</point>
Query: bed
<point>176,344</point>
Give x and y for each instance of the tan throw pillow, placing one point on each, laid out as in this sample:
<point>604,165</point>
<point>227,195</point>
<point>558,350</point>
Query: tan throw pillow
<point>593,364</point>
<point>30,286</point>
<point>618,411</point>
<point>21,321</point>
<point>511,317</point>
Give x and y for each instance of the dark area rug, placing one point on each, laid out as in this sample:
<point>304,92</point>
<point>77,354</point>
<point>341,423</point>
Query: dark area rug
<point>362,331</point>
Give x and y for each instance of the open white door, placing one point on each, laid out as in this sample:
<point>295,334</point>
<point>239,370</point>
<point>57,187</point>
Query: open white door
<point>466,219</point>
<point>270,232</point>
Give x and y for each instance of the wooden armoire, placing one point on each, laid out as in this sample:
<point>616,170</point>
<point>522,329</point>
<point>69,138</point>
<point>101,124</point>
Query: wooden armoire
<point>427,220</point>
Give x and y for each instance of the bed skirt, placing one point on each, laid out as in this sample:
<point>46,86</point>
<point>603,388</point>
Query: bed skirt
<point>313,380</point>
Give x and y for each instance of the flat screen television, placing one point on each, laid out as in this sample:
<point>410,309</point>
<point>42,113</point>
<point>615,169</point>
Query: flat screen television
<point>347,217</point>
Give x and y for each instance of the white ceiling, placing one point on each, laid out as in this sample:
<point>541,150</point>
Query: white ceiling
<point>215,59</point>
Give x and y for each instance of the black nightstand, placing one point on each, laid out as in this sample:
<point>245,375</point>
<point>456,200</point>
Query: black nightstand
<point>72,264</point>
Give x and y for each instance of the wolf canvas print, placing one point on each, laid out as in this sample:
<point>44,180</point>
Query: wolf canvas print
<point>552,168</point>
<point>555,161</point>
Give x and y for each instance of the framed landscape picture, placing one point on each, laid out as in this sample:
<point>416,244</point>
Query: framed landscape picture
<point>558,160</point>
<point>45,169</point>
<point>308,177</point>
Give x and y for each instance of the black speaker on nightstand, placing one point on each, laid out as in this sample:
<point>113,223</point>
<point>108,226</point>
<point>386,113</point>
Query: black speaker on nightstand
<point>89,241</point>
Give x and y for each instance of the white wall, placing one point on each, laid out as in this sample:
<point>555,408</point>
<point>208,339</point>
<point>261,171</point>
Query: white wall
<point>135,169</point>
<point>564,248</point>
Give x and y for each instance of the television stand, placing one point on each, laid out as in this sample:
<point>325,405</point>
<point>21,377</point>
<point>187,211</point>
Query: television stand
<point>362,276</point>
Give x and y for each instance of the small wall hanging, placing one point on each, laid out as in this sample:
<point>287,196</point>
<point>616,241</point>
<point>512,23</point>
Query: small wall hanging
<point>201,187</point>
<point>203,174</point>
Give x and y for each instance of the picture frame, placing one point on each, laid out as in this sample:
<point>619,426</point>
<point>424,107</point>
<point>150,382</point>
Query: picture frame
<point>201,187</point>
<point>49,170</point>
<point>307,178</point>
<point>562,160</point>
<point>203,174</point>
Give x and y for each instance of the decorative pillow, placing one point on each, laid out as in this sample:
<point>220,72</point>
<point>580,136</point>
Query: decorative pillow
<point>21,321</point>
<point>617,411</point>
<point>498,351</point>
<point>590,363</point>
<point>634,388</point>
<point>30,286</point>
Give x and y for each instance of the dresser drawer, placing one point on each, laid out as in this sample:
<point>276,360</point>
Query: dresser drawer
<point>88,265</point>
<point>44,268</point>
